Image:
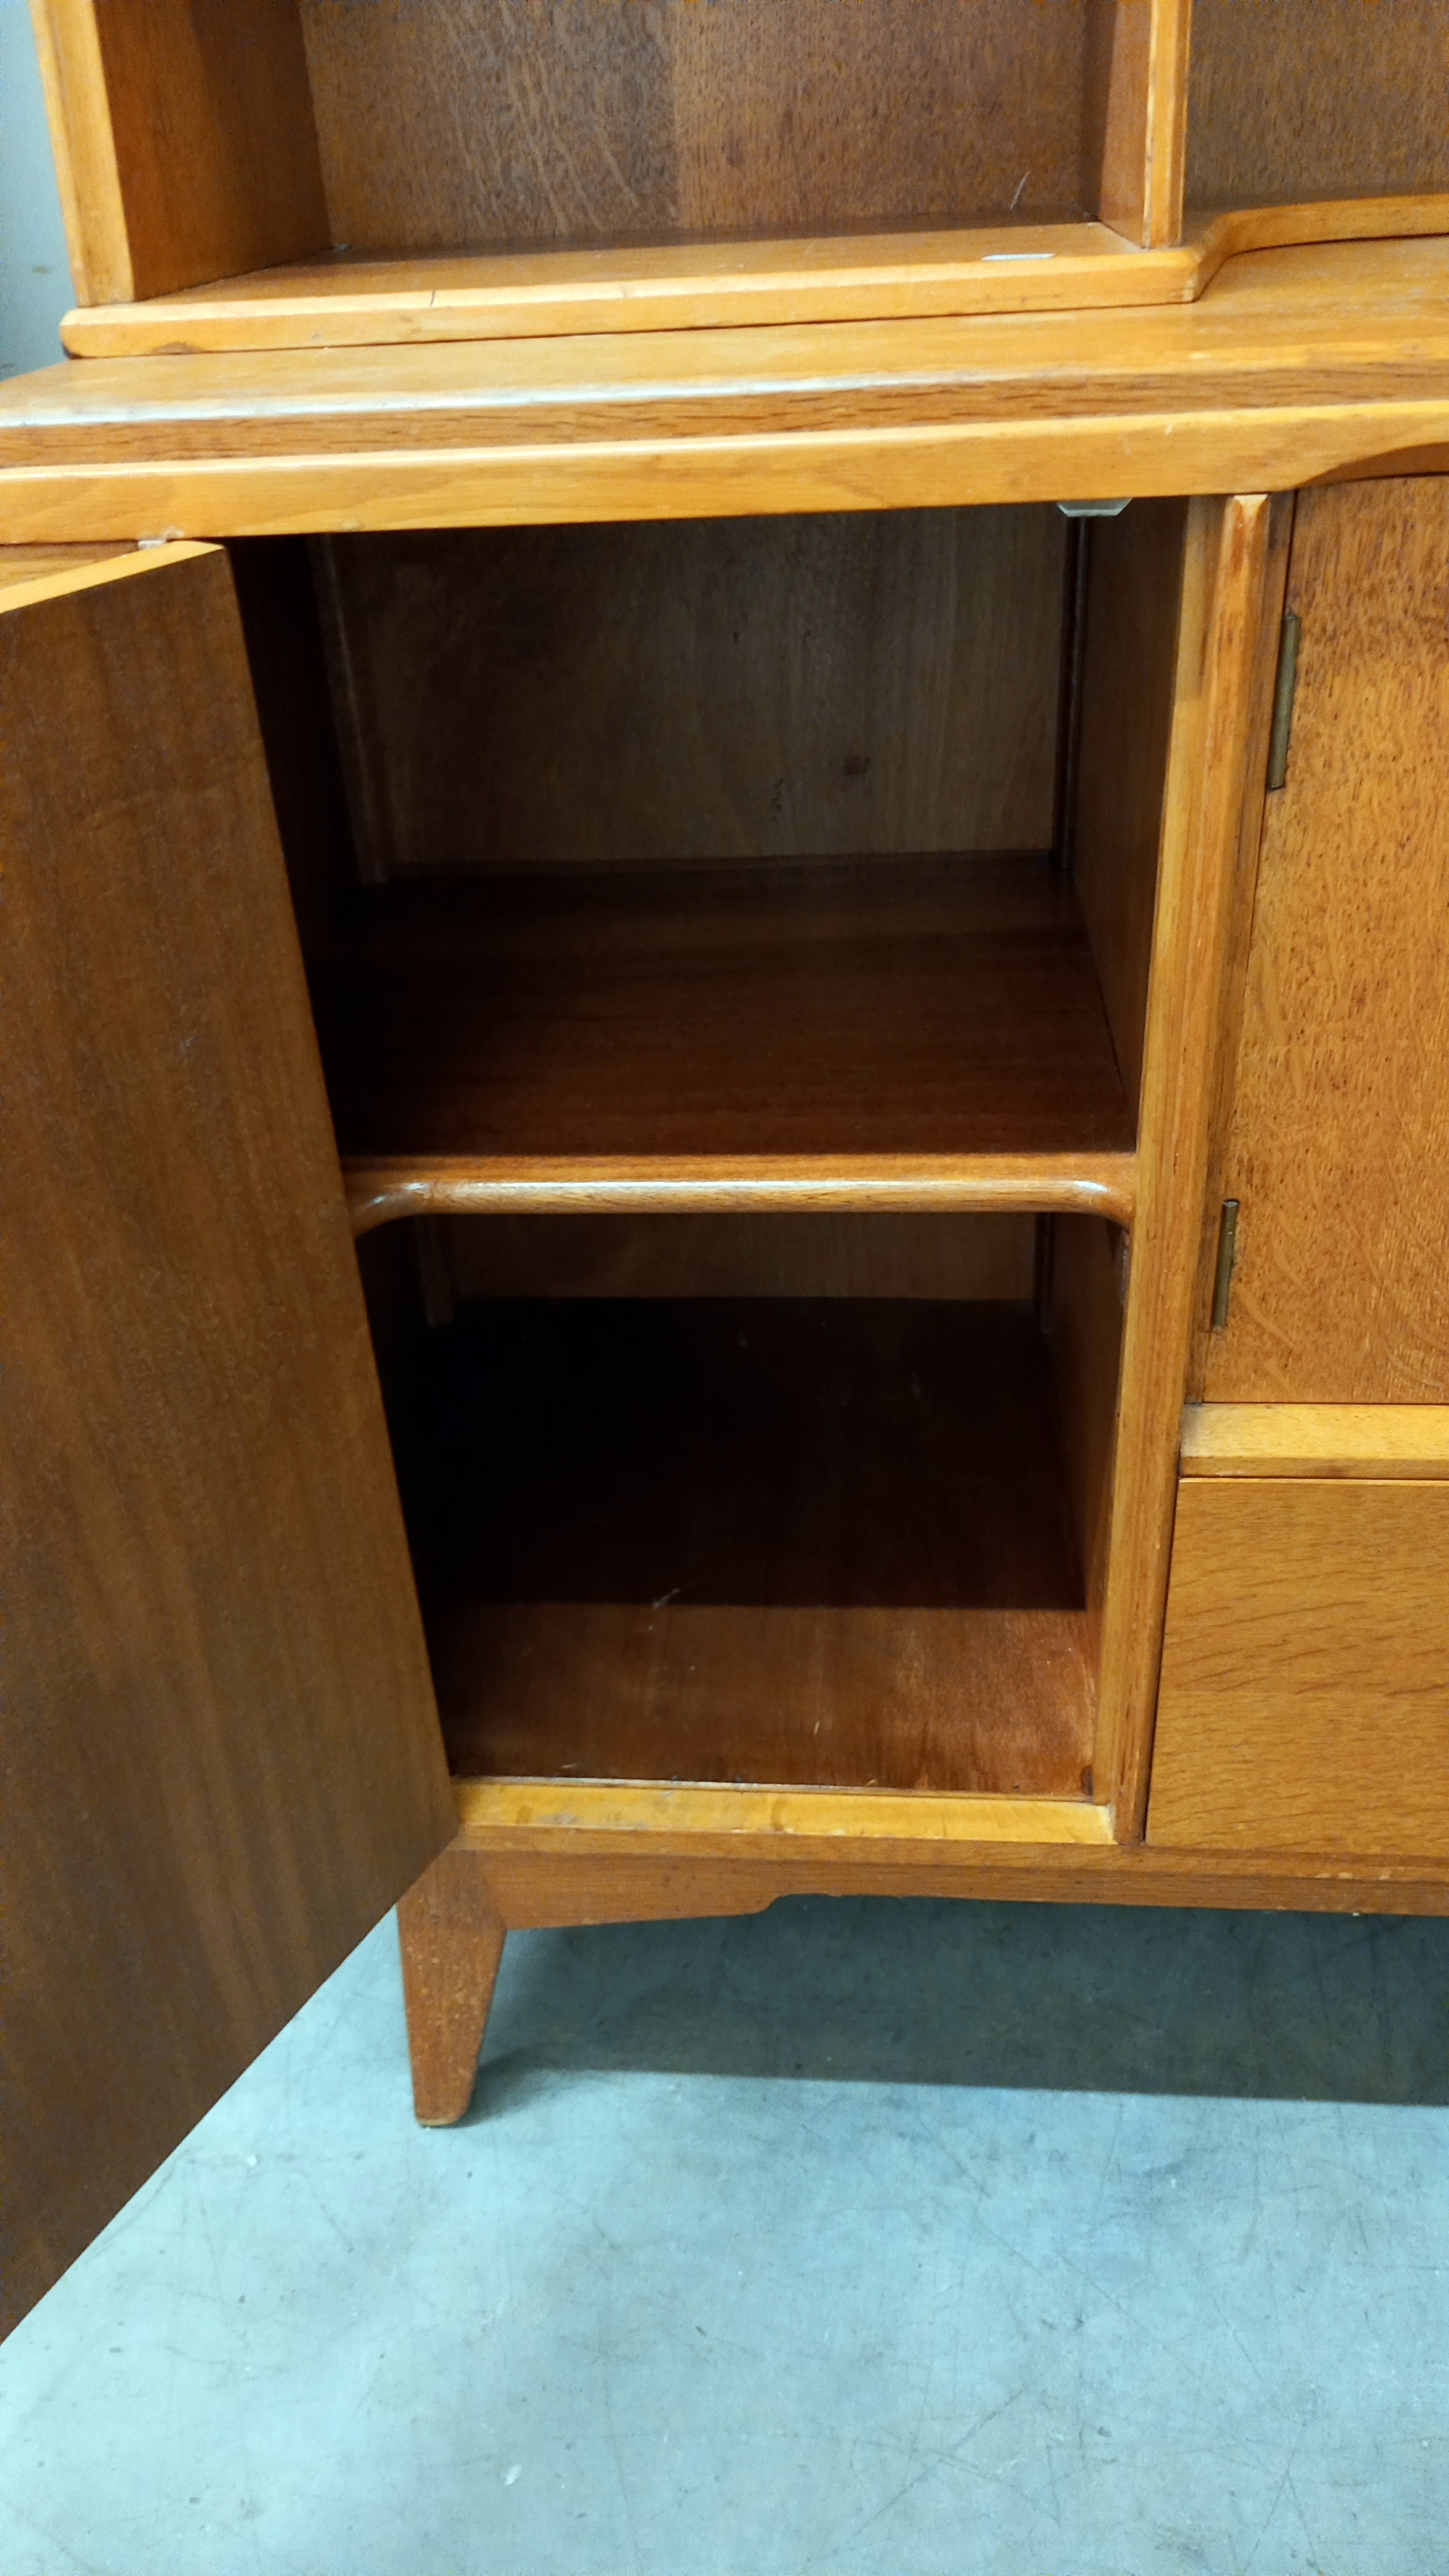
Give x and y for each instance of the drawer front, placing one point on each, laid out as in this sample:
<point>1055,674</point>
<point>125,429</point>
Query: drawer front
<point>1304,1703</point>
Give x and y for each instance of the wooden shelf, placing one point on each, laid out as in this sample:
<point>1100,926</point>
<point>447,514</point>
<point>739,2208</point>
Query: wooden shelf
<point>347,302</point>
<point>309,174</point>
<point>802,1542</point>
<point>881,1032</point>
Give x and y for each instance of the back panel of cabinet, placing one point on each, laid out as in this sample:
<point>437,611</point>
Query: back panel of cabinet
<point>509,121</point>
<point>1307,99</point>
<point>701,690</point>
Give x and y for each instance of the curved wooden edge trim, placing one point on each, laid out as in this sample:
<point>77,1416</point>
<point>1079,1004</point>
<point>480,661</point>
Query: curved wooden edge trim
<point>1231,231</point>
<point>495,1808</point>
<point>1075,1185</point>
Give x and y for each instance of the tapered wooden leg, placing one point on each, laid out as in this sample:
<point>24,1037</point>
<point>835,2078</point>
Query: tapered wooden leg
<point>451,1942</point>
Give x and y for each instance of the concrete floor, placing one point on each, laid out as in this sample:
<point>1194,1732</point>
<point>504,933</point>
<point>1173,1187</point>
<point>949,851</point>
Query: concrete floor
<point>855,2240</point>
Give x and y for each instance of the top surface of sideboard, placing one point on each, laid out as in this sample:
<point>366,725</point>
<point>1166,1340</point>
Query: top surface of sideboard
<point>1297,365</point>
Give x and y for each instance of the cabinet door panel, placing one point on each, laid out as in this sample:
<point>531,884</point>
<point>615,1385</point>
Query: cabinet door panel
<point>221,1760</point>
<point>1339,1144</point>
<point>1304,1704</point>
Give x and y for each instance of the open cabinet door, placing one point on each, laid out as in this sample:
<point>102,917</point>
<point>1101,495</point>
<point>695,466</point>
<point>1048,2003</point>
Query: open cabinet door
<point>221,1756</point>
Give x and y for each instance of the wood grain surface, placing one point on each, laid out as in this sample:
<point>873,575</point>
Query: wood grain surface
<point>347,301</point>
<point>696,1825</point>
<point>646,1871</point>
<point>1262,697</point>
<point>1045,1181</point>
<point>1129,671</point>
<point>451,1942</point>
<point>1135,115</point>
<point>797,1541</point>
<point>742,689</point>
<point>1377,1440</point>
<point>1340,1132</point>
<point>977,1702</point>
<point>1316,98</point>
<point>185,141</point>
<point>1082,1310</point>
<point>944,1008</point>
<point>478,121</point>
<point>1305,1670</point>
<point>41,569</point>
<point>290,680</point>
<point>742,1256</point>
<point>221,1761</point>
<point>1295,364</point>
<point>1224,575</point>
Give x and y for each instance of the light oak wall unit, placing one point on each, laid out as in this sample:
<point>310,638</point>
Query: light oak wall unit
<point>792,942</point>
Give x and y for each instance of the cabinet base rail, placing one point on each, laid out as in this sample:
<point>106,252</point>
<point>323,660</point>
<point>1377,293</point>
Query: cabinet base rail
<point>496,1879</point>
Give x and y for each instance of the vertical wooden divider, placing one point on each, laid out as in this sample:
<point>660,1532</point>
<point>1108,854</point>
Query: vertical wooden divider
<point>1244,899</point>
<point>1134,132</point>
<point>88,175</point>
<point>186,147</point>
<point>1224,583</point>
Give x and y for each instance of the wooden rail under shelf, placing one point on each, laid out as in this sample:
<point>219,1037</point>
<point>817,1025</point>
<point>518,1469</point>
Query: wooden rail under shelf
<point>962,1185</point>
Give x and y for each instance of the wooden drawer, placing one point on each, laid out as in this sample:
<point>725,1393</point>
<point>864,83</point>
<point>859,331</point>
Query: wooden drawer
<point>1304,1701</point>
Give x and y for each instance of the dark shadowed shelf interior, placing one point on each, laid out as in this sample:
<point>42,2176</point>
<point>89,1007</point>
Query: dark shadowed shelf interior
<point>776,1540</point>
<point>891,1007</point>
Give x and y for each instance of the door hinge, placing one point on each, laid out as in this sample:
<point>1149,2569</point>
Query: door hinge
<point>1284,691</point>
<point>1227,1255</point>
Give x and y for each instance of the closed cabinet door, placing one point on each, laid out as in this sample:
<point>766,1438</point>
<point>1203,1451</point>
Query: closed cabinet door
<point>1338,1149</point>
<point>221,1758</point>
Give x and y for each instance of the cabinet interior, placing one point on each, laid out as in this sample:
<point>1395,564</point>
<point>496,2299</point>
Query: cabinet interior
<point>832,1528</point>
<point>796,846</point>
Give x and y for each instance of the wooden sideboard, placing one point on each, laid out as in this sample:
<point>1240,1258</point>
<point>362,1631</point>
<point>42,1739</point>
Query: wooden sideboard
<point>727,1091</point>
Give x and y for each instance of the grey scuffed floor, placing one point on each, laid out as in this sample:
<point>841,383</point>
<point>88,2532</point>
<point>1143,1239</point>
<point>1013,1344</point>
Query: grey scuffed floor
<point>856,2240</point>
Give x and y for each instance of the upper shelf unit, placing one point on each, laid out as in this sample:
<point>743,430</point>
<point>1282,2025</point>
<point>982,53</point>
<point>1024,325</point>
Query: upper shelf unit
<point>313,173</point>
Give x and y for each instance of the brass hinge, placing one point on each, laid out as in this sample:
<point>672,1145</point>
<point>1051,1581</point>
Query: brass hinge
<point>1227,1255</point>
<point>1284,691</point>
